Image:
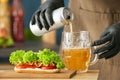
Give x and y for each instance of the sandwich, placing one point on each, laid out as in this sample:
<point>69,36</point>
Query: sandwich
<point>43,61</point>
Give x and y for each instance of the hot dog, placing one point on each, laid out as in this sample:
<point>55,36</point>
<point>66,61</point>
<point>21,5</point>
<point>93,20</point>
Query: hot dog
<point>44,61</point>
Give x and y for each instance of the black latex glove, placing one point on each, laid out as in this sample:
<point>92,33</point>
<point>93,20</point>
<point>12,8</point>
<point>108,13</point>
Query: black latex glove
<point>43,16</point>
<point>111,36</point>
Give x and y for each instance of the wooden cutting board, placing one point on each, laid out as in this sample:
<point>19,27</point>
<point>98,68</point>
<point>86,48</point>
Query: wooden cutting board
<point>12,74</point>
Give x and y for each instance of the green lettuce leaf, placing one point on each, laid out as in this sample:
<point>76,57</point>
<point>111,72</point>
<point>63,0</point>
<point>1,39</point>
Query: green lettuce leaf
<point>16,57</point>
<point>9,42</point>
<point>2,41</point>
<point>60,65</point>
<point>46,57</point>
<point>30,56</point>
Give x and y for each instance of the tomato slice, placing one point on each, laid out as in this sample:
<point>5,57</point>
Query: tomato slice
<point>47,67</point>
<point>26,66</point>
<point>50,66</point>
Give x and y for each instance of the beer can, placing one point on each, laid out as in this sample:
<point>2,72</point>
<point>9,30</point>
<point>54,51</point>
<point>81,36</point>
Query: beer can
<point>60,16</point>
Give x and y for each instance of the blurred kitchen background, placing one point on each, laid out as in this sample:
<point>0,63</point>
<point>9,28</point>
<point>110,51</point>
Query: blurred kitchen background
<point>15,16</point>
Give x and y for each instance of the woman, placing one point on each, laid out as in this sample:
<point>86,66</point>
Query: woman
<point>98,17</point>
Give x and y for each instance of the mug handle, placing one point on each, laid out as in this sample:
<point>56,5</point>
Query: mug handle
<point>95,58</point>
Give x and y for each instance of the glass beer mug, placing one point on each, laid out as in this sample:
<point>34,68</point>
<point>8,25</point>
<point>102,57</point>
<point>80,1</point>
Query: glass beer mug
<point>76,51</point>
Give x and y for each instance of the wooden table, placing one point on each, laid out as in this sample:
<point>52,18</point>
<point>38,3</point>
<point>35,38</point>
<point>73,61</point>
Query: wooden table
<point>90,75</point>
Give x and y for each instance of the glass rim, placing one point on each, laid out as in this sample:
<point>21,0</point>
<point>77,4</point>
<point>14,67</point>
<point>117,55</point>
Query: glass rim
<point>77,32</point>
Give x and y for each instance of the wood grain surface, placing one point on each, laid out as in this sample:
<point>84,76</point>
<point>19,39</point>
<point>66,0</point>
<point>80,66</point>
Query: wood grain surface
<point>12,74</point>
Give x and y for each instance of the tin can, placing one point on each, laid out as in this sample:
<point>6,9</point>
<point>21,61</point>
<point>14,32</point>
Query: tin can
<point>61,16</point>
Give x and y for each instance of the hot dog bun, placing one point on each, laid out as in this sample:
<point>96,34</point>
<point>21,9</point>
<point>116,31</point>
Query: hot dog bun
<point>35,70</point>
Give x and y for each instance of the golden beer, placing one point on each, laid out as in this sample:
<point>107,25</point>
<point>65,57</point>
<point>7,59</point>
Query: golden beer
<point>76,58</point>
